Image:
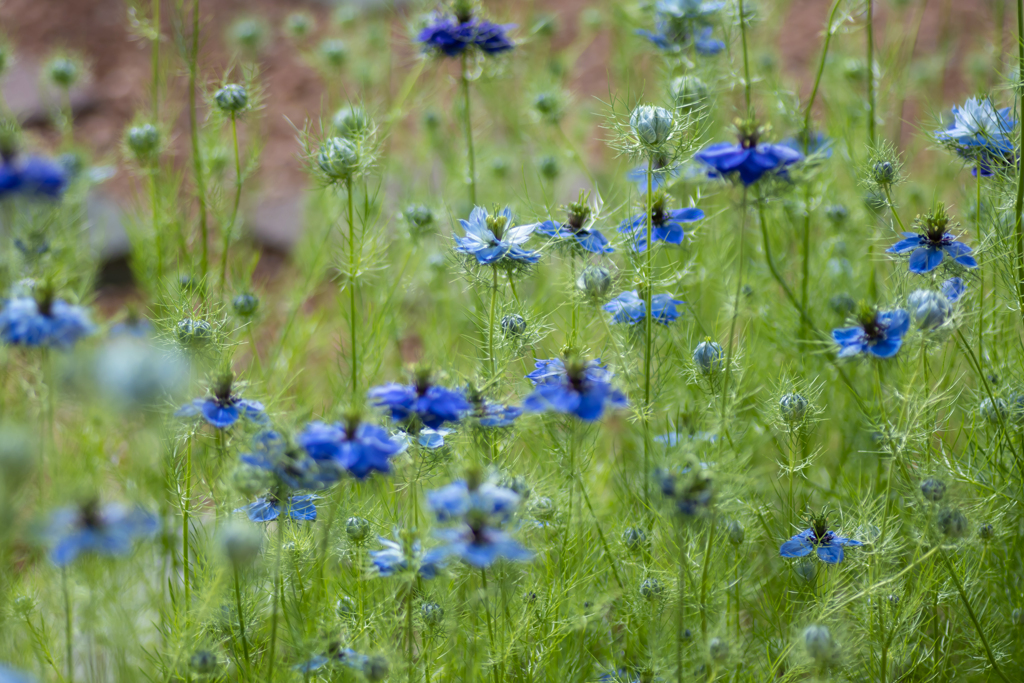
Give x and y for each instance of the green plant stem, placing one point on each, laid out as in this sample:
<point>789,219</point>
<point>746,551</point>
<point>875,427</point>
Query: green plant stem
<point>155,59</point>
<point>491,354</point>
<point>154,201</point>
<point>972,615</point>
<point>68,639</point>
<point>408,630</point>
<point>736,307</point>
<point>230,227</point>
<point>241,617</point>
<point>681,606</point>
<point>981,297</point>
<point>746,58</point>
<point>353,324</point>
<point>871,71</point>
<point>1018,206</point>
<point>648,330</point>
<point>186,498</point>
<point>471,157</point>
<point>487,613</point>
<point>704,580</point>
<point>600,534</point>
<point>282,515</point>
<point>197,159</point>
<point>892,208</point>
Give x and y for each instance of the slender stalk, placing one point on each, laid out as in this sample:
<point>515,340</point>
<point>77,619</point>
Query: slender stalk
<point>648,329</point>
<point>981,300</point>
<point>234,211</point>
<point>736,306</point>
<point>154,201</point>
<point>492,356</point>
<point>971,614</point>
<point>746,57</point>
<point>487,613</point>
<point>352,322</point>
<point>197,159</point>
<point>464,81</point>
<point>1018,206</point>
<point>601,536</point>
<point>871,71</point>
<point>282,515</point>
<point>408,631</point>
<point>68,641</point>
<point>681,607</point>
<point>186,501</point>
<point>241,618</point>
<point>704,580</point>
<point>155,58</point>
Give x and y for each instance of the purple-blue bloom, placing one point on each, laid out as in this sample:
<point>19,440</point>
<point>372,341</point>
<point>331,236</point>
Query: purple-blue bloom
<point>493,238</point>
<point>346,656</point>
<point>498,414</point>
<point>394,559</point>
<point>223,411</point>
<point>31,176</point>
<point>107,530</point>
<point>458,501</point>
<point>268,508</point>
<point>953,289</point>
<point>666,224</point>
<point>670,39</point>
<point>629,308</point>
<point>580,388</point>
<point>481,547</point>
<point>929,249</point>
<point>880,333</point>
<point>586,237</point>
<point>54,323</point>
<point>430,404</point>
<point>749,159</point>
<point>358,448</point>
<point>827,544</point>
<point>451,37</point>
<point>293,467</point>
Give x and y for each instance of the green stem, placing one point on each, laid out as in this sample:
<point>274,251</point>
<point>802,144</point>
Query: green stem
<point>352,322</point>
<point>892,208</point>
<point>746,58</point>
<point>736,307</point>
<point>408,631</point>
<point>981,302</point>
<point>154,200</point>
<point>681,606</point>
<point>241,618</point>
<point>186,498</point>
<point>704,580</point>
<point>282,515</point>
<point>464,81</point>
<point>492,356</point>
<point>821,66</point>
<point>972,615</point>
<point>1018,206</point>
<point>871,71</point>
<point>229,229</point>
<point>155,55</point>
<point>648,329</point>
<point>197,159</point>
<point>67,626</point>
<point>600,535</point>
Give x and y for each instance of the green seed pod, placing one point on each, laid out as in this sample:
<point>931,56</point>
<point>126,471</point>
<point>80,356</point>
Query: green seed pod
<point>231,99</point>
<point>144,142</point>
<point>689,93</point>
<point>338,159</point>
<point>62,72</point>
<point>652,125</point>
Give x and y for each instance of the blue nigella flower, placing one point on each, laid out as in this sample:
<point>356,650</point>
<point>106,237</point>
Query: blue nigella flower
<point>953,289</point>
<point>452,36</point>
<point>335,654</point>
<point>688,9</point>
<point>670,38</point>
<point>690,488</point>
<point>51,322</point>
<point>492,238</point>
<point>663,173</point>
<point>31,176</point>
<point>107,530</point>
<point>458,500</point>
<point>827,544</point>
<point>819,146</point>
<point>666,224</point>
<point>929,247</point>
<point>879,333</point>
<point>481,547</point>
<point>498,414</point>
<point>578,227</point>
<point>396,558</point>
<point>430,404</point>
<point>982,135</point>
<point>224,408</point>
<point>629,308</point>
<point>749,159</point>
<point>578,388</point>
<point>356,447</point>
<point>9,675</point>
<point>294,468</point>
<point>480,508</point>
<point>268,508</point>
<point>432,438</point>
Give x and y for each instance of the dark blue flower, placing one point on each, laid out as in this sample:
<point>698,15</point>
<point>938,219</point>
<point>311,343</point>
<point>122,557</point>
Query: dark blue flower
<point>671,39</point>
<point>880,333</point>
<point>953,289</point>
<point>9,675</point>
<point>395,558</point>
<point>458,501</point>
<point>339,655</point>
<point>929,249</point>
<point>493,238</point>
<point>666,224</point>
<point>628,307</point>
<point>827,544</point>
<point>358,448</point>
<point>432,438</point>
<point>587,238</point>
<point>107,530</point>
<point>268,508</point>
<point>451,37</point>
<point>818,146</point>
<point>481,547</point>
<point>688,9</point>
<point>582,389</point>
<point>749,160</point>
<point>31,177</point>
<point>430,404</point>
<point>293,467</point>
<point>663,172</point>
<point>493,414</point>
<point>222,412</point>
<point>54,323</point>
<point>979,124</point>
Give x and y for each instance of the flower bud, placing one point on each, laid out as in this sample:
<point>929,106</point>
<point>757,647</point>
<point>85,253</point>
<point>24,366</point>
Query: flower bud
<point>549,167</point>
<point>346,607</point>
<point>549,106</point>
<point>433,614</point>
<point>652,125</point>
<point>718,649</point>
<point>837,214</point>
<point>513,325</point>
<point>375,668</point>
<point>500,167</point>
<point>245,305</point>
<point>334,52</point>
<point>952,523</point>
<point>594,281</point>
<point>419,217</point>
<point>203,662</point>
<point>144,141</point>
<point>929,309</point>
<point>793,408</point>
<point>338,159</point>
<point>193,334</point>
<point>231,98</point>
<point>818,643</point>
<point>23,606</point>
<point>986,532</point>
<point>651,589</point>
<point>708,357</point>
<point>543,508</point>
<point>933,489</point>
<point>736,533</point>
<point>249,33</point>
<point>352,122</point>
<point>993,411</point>
<point>62,71</point>
<point>884,173</point>
<point>241,543</point>
<point>635,539</point>
<point>298,25</point>
<point>357,529</point>
<point>688,93</point>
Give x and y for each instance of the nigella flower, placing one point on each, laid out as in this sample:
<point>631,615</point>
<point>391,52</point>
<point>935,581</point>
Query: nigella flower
<point>31,176</point>
<point>430,404</point>
<point>818,145</point>
<point>629,308</point>
<point>578,228</point>
<point>827,544</point>
<point>335,655</point>
<point>879,333</point>
<point>462,499</point>
<point>666,224</point>
<point>481,547</point>
<point>580,388</point>
<point>663,172</point>
<point>690,489</point>
<point>672,38</point>
<point>432,438</point>
<point>356,447</point>
<point>750,159</point>
<point>493,239</point>
<point>268,508</point>
<point>107,530</point>
<point>477,541</point>
<point>953,289</point>
<point>9,675</point>
<point>452,36</point>
<point>398,556</point>
<point>224,408</point>
<point>688,9</point>
<point>48,322</point>
<point>294,468</point>
<point>979,124</point>
<point>930,246</point>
